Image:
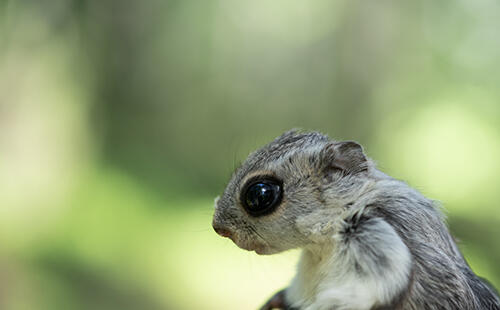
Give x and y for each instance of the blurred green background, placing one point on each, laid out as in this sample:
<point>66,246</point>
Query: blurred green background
<point>121,120</point>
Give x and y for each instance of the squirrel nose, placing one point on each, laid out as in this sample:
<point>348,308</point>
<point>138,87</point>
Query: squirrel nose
<point>222,231</point>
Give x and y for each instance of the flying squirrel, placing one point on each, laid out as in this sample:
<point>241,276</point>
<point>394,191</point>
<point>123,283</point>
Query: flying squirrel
<point>368,241</point>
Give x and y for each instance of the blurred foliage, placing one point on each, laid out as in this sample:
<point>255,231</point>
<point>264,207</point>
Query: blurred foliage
<point>121,120</point>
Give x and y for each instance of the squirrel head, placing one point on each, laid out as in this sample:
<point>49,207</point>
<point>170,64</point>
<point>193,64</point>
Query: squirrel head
<point>290,193</point>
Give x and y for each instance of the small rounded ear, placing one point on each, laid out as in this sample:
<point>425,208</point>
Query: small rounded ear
<point>346,156</point>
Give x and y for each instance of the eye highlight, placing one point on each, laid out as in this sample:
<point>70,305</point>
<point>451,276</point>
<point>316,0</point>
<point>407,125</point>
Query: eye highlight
<point>262,195</point>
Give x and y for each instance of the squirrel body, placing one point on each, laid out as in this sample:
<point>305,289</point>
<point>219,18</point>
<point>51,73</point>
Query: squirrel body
<point>368,241</point>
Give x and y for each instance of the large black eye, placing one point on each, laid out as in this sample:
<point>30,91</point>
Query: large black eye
<point>262,196</point>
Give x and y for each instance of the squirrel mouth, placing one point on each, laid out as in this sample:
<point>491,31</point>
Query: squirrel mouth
<point>261,250</point>
<point>258,248</point>
<point>245,244</point>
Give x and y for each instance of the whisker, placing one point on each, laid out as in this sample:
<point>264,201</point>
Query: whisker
<point>259,235</point>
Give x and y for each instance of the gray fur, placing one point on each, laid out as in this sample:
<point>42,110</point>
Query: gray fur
<point>369,241</point>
